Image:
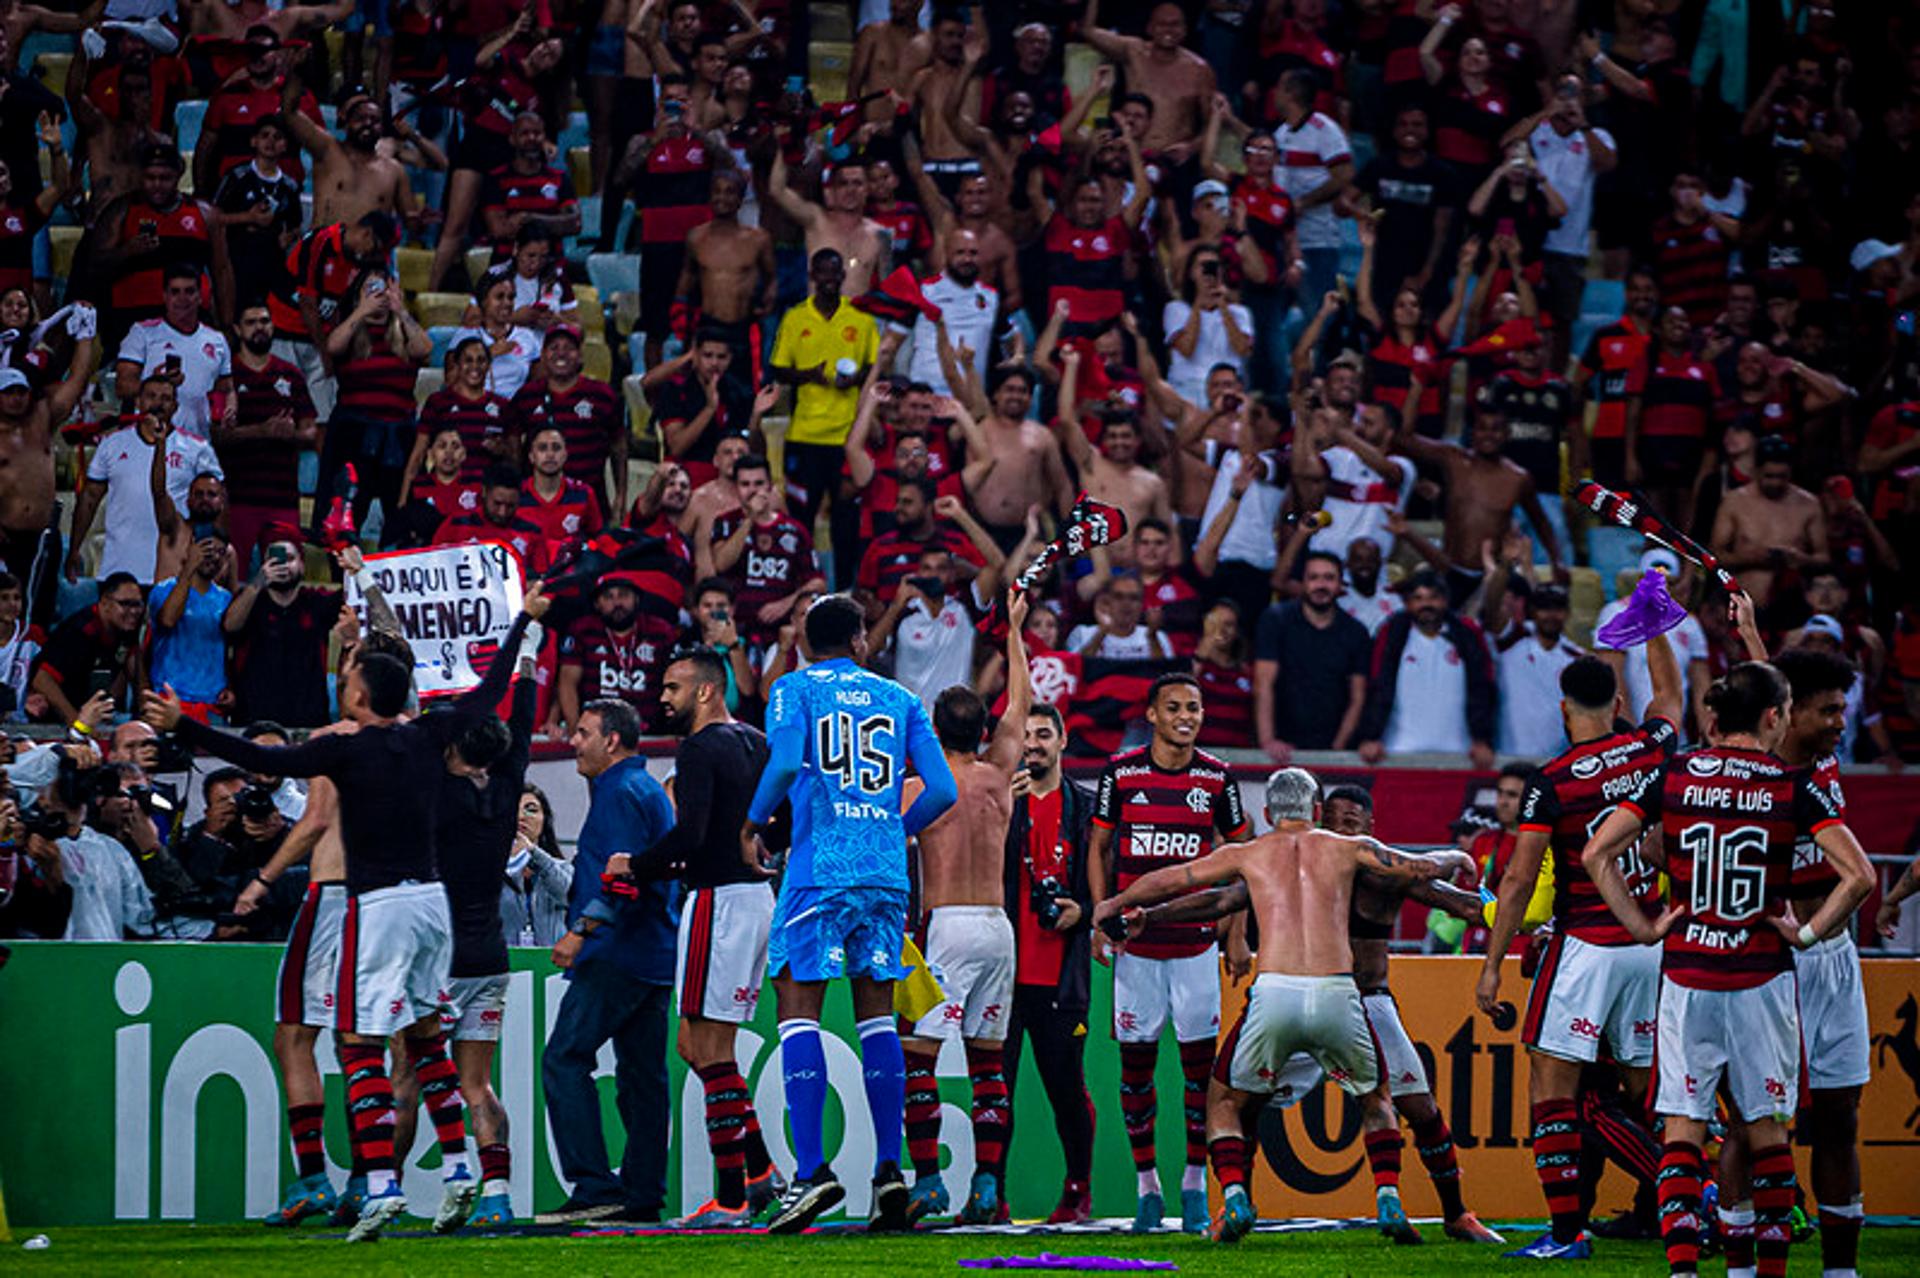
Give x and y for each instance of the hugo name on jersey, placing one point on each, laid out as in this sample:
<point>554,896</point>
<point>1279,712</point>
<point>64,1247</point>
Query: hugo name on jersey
<point>1813,876</point>
<point>1731,818</point>
<point>1570,798</point>
<point>1162,818</point>
<point>851,733</point>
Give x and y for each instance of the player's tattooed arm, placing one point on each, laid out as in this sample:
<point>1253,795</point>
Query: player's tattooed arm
<point>1217,867</point>
<point>1411,867</point>
<point>1442,895</point>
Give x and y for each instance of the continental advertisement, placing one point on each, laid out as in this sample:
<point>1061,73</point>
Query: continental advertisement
<point>143,1088</point>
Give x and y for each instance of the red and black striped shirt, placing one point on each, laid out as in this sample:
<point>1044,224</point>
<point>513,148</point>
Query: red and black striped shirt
<point>479,421</point>
<point>1813,874</point>
<point>523,537</point>
<point>1160,817</point>
<point>544,192</point>
<point>1087,268</point>
<point>1677,399</point>
<point>892,557</point>
<point>589,414</point>
<point>1468,125</point>
<point>20,222</point>
<point>1690,259</point>
<point>1731,819</point>
<point>573,513</point>
<point>627,666</point>
<point>1229,696</point>
<point>265,472</point>
<point>1391,365</point>
<point>673,191</point>
<point>1571,797</point>
<point>379,385</point>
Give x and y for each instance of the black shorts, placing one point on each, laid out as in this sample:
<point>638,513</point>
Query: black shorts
<point>659,284</point>
<point>480,150</point>
<point>1670,461</point>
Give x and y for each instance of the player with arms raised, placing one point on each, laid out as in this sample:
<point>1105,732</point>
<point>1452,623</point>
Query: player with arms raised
<point>1731,814</point>
<point>1163,804</point>
<point>1595,978</point>
<point>840,740</point>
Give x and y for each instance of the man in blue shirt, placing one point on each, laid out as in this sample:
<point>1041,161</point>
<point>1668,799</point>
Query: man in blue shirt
<point>841,738</point>
<point>619,956</point>
<point>189,648</point>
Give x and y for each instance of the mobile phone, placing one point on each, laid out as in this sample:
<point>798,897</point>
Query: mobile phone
<point>201,529</point>
<point>99,681</point>
<point>796,84</point>
<point>171,364</point>
<point>279,553</point>
<point>376,286</point>
<point>932,587</point>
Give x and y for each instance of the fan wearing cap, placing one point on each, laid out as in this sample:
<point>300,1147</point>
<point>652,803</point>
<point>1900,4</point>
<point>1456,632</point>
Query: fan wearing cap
<point>1771,526</point>
<point>619,650</point>
<point>1689,641</point>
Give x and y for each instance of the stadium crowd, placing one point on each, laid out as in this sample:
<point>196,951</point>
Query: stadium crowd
<point>1336,302</point>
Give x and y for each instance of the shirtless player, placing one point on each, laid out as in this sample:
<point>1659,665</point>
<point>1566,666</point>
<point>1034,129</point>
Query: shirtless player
<point>1178,80</point>
<point>842,225</point>
<point>350,177</point>
<point>1112,474</point>
<point>1300,886</point>
<point>969,937</point>
<point>1027,467</point>
<point>1770,525</point>
<point>29,515</point>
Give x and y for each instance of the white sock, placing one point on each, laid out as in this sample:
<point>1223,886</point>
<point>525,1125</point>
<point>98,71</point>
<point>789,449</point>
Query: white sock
<point>1149,1183</point>
<point>1839,1273</point>
<point>496,1186</point>
<point>379,1181</point>
<point>1747,1271</point>
<point>454,1168</point>
<point>1386,1191</point>
<point>1195,1177</point>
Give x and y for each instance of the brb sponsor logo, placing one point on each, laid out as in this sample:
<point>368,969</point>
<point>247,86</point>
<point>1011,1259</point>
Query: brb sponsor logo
<point>1166,845</point>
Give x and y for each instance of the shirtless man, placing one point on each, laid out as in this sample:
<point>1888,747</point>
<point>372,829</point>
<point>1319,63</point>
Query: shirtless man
<point>1483,488</point>
<point>29,515</point>
<point>718,495</point>
<point>1177,80</point>
<point>727,277</point>
<point>1769,525</point>
<point>842,225</point>
<point>350,177</point>
<point>1300,884</point>
<point>111,147</point>
<point>969,937</point>
<point>945,84</point>
<point>969,210</point>
<point>886,56</point>
<point>1112,474</point>
<point>1027,468</point>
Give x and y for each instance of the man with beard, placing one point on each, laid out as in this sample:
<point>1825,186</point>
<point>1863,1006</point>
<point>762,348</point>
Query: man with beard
<point>527,191</point>
<point>139,237</point>
<point>565,510</point>
<point>724,923</point>
<point>895,554</point>
<point>727,282</point>
<point>664,509</point>
<point>260,447</point>
<point>840,225</point>
<point>588,412</point>
<point>617,651</point>
<point>1111,474</point>
<point>1432,689</point>
<point>1175,77</point>
<point>99,643</point>
<point>1363,599</point>
<point>1769,526</point>
<point>697,402</point>
<point>903,412</point>
<point>236,108</point>
<point>969,309</point>
<point>278,628</point>
<point>120,474</point>
<point>306,297</point>
<point>350,177</point>
<point>1028,470</point>
<point>944,82</point>
<point>1414,193</point>
<point>970,210</point>
<point>1321,655</point>
<point>1087,249</point>
<point>29,514</point>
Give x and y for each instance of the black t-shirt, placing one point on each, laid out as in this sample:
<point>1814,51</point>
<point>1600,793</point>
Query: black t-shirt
<point>388,777</point>
<point>258,252</point>
<point>1537,412</point>
<point>476,837</point>
<point>78,647</point>
<point>1408,196</point>
<point>715,772</point>
<point>280,659</point>
<point>1526,218</point>
<point>1315,667</point>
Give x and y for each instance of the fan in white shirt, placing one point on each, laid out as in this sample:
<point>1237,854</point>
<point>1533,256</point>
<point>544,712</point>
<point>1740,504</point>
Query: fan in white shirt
<point>1366,599</point>
<point>1528,668</point>
<point>1118,632</point>
<point>120,473</point>
<point>193,356</point>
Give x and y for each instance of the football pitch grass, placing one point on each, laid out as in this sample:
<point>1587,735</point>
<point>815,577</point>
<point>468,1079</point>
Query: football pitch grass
<point>253,1250</point>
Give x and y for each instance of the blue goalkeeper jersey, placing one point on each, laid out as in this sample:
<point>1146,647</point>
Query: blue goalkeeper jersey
<point>841,738</point>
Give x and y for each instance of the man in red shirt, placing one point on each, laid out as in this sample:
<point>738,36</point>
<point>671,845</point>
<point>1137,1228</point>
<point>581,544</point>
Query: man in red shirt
<point>766,553</point>
<point>563,509</point>
<point>620,650</point>
<point>589,413</point>
<point>499,522</point>
<point>527,191</point>
<point>1667,437</point>
<point>260,449</point>
<point>893,556</point>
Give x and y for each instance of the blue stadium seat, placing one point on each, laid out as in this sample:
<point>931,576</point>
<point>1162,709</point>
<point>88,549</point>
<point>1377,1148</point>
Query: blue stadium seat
<point>442,335</point>
<point>1605,300</point>
<point>187,118</point>
<point>611,273</point>
<point>574,133</point>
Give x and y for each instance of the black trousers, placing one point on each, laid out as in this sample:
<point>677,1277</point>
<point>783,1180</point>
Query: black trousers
<point>1059,1050</point>
<point>814,469</point>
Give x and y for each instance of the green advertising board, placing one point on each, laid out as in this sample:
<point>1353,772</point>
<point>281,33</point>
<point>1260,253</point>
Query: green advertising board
<point>141,1086</point>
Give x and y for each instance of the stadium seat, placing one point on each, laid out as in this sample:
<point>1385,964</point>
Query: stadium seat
<point>639,416</point>
<point>64,240</point>
<point>187,118</point>
<point>431,379</point>
<point>575,133</point>
<point>1081,59</point>
<point>434,309</point>
<point>442,335</point>
<point>829,62</point>
<point>1605,300</point>
<point>611,273</point>
<point>478,260</point>
<point>591,317</point>
<point>416,264</point>
<point>580,166</point>
<point>52,70</point>
<point>596,359</point>
<point>830,22</point>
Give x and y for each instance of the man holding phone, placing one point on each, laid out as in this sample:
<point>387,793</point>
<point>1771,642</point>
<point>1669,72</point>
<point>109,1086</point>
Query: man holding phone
<point>279,630</point>
<point>120,474</point>
<point>177,346</point>
<point>273,421</point>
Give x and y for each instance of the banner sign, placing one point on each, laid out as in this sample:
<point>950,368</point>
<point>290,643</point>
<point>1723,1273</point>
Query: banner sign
<point>455,604</point>
<point>154,1097</point>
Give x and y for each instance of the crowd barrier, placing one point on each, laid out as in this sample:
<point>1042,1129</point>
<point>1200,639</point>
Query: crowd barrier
<point>141,1087</point>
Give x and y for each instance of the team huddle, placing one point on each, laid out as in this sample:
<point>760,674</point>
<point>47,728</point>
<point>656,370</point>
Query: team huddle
<point>1698,937</point>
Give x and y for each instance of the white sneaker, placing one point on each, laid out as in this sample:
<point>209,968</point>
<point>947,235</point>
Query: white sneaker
<point>461,1191</point>
<point>379,1211</point>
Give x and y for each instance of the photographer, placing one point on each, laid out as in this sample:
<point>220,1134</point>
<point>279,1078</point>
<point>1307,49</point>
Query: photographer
<point>239,834</point>
<point>35,897</point>
<point>110,901</point>
<point>1050,901</point>
<point>122,809</point>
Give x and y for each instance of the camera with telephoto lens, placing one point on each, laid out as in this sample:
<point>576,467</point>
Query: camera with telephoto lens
<point>1041,900</point>
<point>45,822</point>
<point>255,802</point>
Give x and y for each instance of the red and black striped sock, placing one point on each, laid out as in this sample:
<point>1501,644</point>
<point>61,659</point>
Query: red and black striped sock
<point>1138,1103</point>
<point>1736,1235</point>
<point>758,1160</point>
<point>1680,1171</point>
<point>1624,1137</point>
<point>726,1132</point>
<point>1196,1069</point>
<point>1556,1160</point>
<point>1772,1209</point>
<point>1433,1141</point>
<point>1840,1235</point>
<point>496,1162</point>
<point>304,1123</point>
<point>1230,1160</point>
<point>369,1105</point>
<point>923,1112</point>
<point>992,1111</point>
<point>440,1093</point>
<point>1383,1158</point>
